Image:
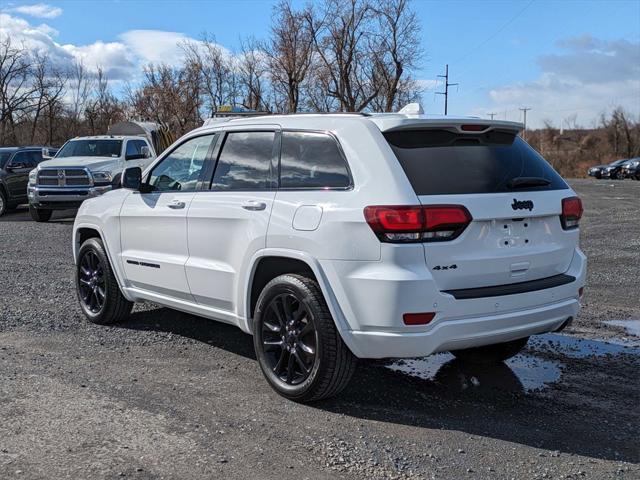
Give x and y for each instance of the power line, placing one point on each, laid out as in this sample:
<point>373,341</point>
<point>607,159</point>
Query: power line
<point>494,34</point>
<point>446,87</point>
<point>524,110</point>
<point>492,115</point>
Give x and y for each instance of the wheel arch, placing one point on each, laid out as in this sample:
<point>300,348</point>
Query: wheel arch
<point>303,264</point>
<point>83,232</point>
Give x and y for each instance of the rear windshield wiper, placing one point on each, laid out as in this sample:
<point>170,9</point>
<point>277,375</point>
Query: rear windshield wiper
<point>520,182</point>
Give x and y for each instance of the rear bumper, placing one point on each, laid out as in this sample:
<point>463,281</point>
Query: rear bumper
<point>465,333</point>
<point>373,298</point>
<point>62,198</point>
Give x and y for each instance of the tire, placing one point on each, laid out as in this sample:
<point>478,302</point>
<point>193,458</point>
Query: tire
<point>289,306</point>
<point>488,354</point>
<point>40,214</point>
<point>98,292</point>
<point>3,202</point>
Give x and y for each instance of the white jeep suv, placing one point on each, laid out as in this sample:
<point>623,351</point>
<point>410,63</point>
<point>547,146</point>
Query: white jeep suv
<point>336,237</point>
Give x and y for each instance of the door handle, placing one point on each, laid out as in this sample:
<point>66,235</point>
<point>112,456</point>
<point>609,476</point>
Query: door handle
<point>176,204</point>
<point>254,205</point>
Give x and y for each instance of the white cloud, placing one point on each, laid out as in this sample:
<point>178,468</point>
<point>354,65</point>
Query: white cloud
<point>155,46</point>
<point>590,77</point>
<point>40,10</point>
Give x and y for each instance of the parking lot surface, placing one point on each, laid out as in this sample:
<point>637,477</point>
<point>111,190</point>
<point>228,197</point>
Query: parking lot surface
<point>170,395</point>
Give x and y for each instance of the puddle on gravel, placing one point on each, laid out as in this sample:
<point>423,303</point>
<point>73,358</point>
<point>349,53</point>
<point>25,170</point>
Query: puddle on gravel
<point>522,372</point>
<point>631,326</point>
<point>576,347</point>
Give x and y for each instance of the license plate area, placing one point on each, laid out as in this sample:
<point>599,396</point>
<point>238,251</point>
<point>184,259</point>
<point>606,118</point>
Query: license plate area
<point>517,232</point>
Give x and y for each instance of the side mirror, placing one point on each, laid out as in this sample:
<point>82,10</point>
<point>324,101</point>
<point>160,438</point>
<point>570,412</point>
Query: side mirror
<point>132,178</point>
<point>48,153</point>
<point>146,152</point>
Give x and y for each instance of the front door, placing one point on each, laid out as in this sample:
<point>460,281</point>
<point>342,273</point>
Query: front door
<point>154,225</point>
<point>228,223</point>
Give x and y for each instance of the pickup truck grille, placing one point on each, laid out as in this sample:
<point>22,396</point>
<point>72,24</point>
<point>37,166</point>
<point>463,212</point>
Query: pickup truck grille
<point>64,177</point>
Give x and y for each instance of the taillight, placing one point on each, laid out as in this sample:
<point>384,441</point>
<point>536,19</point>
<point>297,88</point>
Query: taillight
<point>406,224</point>
<point>571,213</point>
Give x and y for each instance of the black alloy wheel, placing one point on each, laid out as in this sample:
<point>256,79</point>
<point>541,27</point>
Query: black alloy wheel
<point>289,338</point>
<point>91,282</point>
<point>99,295</point>
<point>297,344</point>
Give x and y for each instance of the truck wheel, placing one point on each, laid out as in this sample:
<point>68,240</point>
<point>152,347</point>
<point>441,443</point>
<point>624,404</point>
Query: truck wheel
<point>40,214</point>
<point>498,352</point>
<point>297,344</point>
<point>98,291</point>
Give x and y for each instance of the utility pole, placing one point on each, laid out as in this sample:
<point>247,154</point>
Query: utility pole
<point>524,110</point>
<point>446,87</point>
<point>492,115</point>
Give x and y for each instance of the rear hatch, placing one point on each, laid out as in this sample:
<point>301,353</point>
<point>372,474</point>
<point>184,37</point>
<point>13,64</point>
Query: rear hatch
<point>512,194</point>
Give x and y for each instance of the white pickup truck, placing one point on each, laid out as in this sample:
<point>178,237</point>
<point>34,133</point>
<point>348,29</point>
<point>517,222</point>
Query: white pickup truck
<point>86,167</point>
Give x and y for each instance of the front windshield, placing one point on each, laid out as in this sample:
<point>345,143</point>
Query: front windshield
<point>4,156</point>
<point>91,148</point>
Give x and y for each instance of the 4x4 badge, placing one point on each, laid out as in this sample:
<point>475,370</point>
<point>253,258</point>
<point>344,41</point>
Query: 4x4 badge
<point>522,204</point>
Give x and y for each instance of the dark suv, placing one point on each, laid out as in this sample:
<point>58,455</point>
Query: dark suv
<point>15,165</point>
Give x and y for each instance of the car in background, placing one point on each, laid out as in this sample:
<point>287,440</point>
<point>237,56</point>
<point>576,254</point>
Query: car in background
<point>15,165</point>
<point>595,171</point>
<point>631,169</point>
<point>613,171</point>
<point>83,168</point>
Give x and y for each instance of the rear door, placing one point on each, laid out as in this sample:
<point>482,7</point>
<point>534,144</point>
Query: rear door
<point>228,222</point>
<point>513,195</point>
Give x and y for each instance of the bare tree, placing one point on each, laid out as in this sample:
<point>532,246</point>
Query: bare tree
<point>214,71</point>
<point>49,84</point>
<point>342,39</point>
<point>104,108</point>
<point>170,96</point>
<point>252,68</point>
<point>16,89</point>
<point>397,50</point>
<point>289,52</point>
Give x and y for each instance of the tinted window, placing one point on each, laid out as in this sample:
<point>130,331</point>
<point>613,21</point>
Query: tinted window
<point>245,162</point>
<point>35,157</point>
<point>29,158</point>
<point>438,162</point>
<point>180,170</point>
<point>91,148</point>
<point>312,160</point>
<point>4,156</point>
<point>134,147</point>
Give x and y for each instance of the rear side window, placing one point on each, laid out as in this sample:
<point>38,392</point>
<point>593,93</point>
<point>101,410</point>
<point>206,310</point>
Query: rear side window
<point>244,162</point>
<point>439,162</point>
<point>312,160</point>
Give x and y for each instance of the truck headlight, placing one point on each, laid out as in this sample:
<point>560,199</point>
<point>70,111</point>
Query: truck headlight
<point>32,176</point>
<point>102,177</point>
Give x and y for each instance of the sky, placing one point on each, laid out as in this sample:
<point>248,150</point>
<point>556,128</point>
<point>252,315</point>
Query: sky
<point>569,61</point>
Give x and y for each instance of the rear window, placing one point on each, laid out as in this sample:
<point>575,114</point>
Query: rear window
<point>440,162</point>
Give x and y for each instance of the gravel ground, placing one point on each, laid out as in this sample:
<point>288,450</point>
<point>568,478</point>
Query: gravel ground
<point>170,395</point>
